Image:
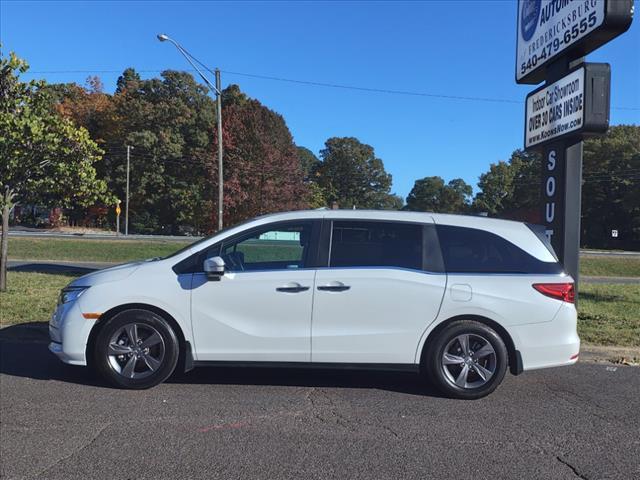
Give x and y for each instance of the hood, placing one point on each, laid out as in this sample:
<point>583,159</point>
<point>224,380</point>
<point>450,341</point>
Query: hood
<point>111,274</point>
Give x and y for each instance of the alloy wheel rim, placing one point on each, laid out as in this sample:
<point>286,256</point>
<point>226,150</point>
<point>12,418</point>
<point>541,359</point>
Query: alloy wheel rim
<point>469,361</point>
<point>136,350</point>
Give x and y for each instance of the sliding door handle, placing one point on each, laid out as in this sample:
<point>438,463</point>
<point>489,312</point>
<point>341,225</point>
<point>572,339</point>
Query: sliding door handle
<point>334,287</point>
<point>292,288</point>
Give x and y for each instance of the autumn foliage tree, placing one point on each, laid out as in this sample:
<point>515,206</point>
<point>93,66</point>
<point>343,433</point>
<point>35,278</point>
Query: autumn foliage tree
<point>169,121</point>
<point>262,170</point>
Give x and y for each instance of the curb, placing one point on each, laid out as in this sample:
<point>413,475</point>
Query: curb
<point>610,354</point>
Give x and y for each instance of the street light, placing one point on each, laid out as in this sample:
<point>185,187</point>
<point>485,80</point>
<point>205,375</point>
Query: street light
<point>164,38</point>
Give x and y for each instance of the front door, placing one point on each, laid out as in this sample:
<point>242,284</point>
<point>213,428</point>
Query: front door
<point>260,310</point>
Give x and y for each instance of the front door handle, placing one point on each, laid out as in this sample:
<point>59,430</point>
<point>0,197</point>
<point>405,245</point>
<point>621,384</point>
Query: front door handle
<point>292,287</point>
<point>334,287</point>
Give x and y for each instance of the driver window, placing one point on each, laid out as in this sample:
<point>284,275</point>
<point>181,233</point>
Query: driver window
<point>274,248</point>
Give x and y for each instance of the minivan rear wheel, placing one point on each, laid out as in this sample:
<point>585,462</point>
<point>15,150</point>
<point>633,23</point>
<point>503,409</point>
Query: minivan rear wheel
<point>467,360</point>
<point>136,349</point>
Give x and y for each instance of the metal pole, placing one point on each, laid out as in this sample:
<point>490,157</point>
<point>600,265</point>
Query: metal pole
<point>572,197</point>
<point>220,175</point>
<point>126,206</point>
<point>188,56</point>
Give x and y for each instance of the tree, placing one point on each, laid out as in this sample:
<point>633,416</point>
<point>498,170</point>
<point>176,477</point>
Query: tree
<point>611,189</point>
<point>351,174</point>
<point>170,122</point>
<point>510,187</point>
<point>495,188</point>
<point>610,193</point>
<point>309,163</point>
<point>87,106</point>
<point>129,80</point>
<point>391,202</point>
<point>44,158</point>
<point>431,194</point>
<point>262,166</point>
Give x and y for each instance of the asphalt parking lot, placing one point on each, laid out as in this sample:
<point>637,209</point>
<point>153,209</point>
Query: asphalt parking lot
<point>567,423</point>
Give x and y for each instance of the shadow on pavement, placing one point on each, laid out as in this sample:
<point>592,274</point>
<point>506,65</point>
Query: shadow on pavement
<point>401,382</point>
<point>24,353</point>
<point>51,268</point>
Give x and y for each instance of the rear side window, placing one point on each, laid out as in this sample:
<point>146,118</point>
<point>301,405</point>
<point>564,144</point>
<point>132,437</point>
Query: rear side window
<point>540,232</point>
<point>376,244</point>
<point>469,250</point>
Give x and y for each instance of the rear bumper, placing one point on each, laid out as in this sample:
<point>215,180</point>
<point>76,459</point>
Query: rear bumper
<point>548,344</point>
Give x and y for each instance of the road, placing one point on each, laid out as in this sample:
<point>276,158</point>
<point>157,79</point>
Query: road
<point>58,422</point>
<point>37,233</point>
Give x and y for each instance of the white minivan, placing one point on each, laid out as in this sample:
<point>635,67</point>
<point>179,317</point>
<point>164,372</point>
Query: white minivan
<point>459,298</point>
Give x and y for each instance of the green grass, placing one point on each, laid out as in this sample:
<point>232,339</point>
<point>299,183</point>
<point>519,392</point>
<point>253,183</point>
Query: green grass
<point>89,250</point>
<point>30,297</point>
<point>610,266</point>
<point>609,314</point>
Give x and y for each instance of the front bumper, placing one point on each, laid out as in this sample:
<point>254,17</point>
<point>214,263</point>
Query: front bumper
<point>69,333</point>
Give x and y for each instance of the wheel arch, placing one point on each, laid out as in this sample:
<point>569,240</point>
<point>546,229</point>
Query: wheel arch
<point>515,359</point>
<point>185,359</point>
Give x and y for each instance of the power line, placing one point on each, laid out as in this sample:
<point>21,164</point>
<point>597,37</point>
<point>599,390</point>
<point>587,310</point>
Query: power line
<point>321,84</point>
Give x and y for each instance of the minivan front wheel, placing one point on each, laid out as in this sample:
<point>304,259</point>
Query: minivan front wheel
<point>136,349</point>
<point>467,360</point>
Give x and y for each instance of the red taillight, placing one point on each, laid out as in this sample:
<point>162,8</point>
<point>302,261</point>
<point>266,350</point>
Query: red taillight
<point>560,291</point>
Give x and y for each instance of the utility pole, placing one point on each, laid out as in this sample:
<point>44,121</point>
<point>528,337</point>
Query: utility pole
<point>220,176</point>
<point>126,205</point>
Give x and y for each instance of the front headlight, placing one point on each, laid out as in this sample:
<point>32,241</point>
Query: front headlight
<point>70,294</point>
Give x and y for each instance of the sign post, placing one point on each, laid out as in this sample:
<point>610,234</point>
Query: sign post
<point>118,211</point>
<point>553,38</point>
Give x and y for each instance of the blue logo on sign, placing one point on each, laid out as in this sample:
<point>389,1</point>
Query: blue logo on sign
<point>529,16</point>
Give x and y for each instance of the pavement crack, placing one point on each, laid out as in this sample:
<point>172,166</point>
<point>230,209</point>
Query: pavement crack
<point>390,430</point>
<point>579,401</point>
<point>573,469</point>
<point>86,444</point>
<point>325,410</point>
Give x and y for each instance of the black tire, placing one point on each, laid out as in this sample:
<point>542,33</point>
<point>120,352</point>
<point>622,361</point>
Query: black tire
<point>151,365</point>
<point>444,376</point>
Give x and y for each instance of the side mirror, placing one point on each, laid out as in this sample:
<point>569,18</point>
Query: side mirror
<point>214,268</point>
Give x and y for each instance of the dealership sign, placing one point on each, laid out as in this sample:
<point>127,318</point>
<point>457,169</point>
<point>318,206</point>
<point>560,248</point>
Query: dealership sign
<point>549,29</point>
<point>574,106</point>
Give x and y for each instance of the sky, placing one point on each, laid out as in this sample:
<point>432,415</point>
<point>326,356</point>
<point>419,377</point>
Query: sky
<point>441,48</point>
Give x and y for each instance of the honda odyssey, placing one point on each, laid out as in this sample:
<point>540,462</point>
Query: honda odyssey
<point>462,299</point>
